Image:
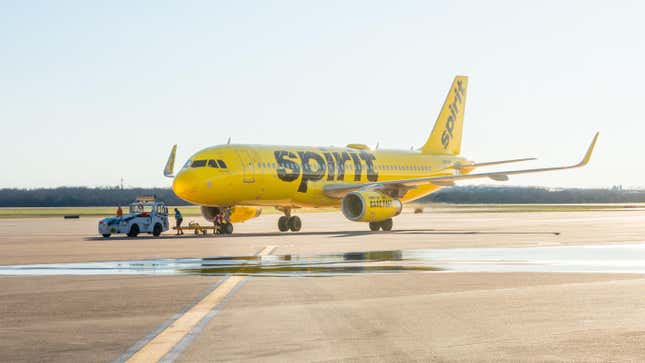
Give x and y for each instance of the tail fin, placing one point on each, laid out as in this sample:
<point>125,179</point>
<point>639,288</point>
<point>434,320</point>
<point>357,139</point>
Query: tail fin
<point>445,137</point>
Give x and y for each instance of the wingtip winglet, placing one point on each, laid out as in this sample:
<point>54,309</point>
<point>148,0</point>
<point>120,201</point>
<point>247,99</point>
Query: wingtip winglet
<point>168,171</point>
<point>587,157</point>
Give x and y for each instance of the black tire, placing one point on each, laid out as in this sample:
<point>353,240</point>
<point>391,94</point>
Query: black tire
<point>386,225</point>
<point>375,226</point>
<point>227,228</point>
<point>134,230</point>
<point>106,235</point>
<point>283,224</point>
<point>295,224</point>
<point>156,231</point>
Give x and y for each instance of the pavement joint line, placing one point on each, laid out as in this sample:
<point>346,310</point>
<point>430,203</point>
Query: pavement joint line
<point>171,338</point>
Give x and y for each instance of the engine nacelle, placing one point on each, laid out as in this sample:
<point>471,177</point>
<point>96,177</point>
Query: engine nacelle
<point>238,213</point>
<point>366,206</point>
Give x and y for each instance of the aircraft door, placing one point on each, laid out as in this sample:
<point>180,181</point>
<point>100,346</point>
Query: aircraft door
<point>248,165</point>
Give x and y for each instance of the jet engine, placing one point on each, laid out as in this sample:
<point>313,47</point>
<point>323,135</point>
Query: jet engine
<point>238,213</point>
<point>368,206</point>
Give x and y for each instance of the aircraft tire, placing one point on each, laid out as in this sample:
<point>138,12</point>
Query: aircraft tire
<point>134,230</point>
<point>283,224</point>
<point>156,231</point>
<point>227,228</point>
<point>295,224</point>
<point>375,226</point>
<point>386,225</point>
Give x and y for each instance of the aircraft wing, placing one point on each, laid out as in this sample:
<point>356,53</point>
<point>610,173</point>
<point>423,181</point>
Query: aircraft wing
<point>490,163</point>
<point>403,185</point>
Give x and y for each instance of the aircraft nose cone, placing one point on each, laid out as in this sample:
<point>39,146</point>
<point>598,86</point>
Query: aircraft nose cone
<point>182,186</point>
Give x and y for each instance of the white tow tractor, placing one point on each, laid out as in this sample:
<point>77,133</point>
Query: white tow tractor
<point>146,215</point>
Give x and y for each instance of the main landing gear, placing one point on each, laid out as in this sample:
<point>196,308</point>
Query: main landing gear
<point>385,225</point>
<point>288,222</point>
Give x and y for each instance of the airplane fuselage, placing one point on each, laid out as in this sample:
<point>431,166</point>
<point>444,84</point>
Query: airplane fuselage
<point>295,176</point>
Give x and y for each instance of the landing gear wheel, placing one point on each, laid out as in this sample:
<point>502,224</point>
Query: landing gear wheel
<point>375,226</point>
<point>227,228</point>
<point>134,231</point>
<point>156,231</point>
<point>386,225</point>
<point>283,224</point>
<point>295,223</point>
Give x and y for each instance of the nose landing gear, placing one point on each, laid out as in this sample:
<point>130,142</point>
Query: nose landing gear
<point>222,222</point>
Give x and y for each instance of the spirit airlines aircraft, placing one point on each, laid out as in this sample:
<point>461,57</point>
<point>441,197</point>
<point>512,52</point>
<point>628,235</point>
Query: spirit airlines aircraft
<point>367,185</point>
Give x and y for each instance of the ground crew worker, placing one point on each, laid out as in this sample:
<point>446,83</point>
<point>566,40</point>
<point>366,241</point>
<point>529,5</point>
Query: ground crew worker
<point>218,223</point>
<point>179,219</point>
<point>119,212</point>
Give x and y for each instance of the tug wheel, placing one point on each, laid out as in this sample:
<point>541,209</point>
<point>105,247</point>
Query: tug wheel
<point>156,231</point>
<point>134,230</point>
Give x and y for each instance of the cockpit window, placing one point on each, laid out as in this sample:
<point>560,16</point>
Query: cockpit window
<point>188,164</point>
<point>198,164</point>
<point>212,164</point>
<point>222,164</point>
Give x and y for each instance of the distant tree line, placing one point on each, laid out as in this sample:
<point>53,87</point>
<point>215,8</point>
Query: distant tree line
<point>82,196</point>
<point>533,195</point>
<point>111,196</point>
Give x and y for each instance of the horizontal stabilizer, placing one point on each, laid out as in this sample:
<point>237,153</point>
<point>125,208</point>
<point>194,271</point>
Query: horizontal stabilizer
<point>499,177</point>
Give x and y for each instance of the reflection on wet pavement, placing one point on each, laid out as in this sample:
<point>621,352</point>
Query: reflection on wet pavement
<point>601,258</point>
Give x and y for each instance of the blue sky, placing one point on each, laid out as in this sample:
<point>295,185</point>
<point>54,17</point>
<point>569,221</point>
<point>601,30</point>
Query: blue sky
<point>96,91</point>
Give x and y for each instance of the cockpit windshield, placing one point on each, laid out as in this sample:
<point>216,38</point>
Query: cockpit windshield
<point>198,164</point>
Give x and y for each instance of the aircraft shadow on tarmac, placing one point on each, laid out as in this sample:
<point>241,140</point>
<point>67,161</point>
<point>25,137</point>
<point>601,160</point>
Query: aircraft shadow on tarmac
<point>333,234</point>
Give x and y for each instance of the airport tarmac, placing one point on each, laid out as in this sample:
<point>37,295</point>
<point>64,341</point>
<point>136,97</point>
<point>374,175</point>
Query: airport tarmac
<point>444,286</point>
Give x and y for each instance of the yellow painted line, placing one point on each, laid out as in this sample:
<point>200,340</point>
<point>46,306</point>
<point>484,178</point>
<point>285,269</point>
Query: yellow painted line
<point>171,336</point>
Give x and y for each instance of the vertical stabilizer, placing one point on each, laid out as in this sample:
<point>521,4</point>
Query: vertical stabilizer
<point>445,137</point>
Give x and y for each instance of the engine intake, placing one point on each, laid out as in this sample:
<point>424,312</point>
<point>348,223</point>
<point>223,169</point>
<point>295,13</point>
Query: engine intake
<point>366,206</point>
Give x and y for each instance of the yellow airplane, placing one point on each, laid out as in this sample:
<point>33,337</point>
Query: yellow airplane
<point>367,185</point>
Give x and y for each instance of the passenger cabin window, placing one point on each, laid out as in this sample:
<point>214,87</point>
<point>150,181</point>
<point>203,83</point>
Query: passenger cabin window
<point>221,164</point>
<point>198,164</point>
<point>212,164</point>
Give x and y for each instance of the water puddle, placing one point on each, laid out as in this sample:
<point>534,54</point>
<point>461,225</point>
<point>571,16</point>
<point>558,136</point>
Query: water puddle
<point>599,259</point>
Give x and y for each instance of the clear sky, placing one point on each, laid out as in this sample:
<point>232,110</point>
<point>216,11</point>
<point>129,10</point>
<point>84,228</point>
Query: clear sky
<point>94,91</point>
